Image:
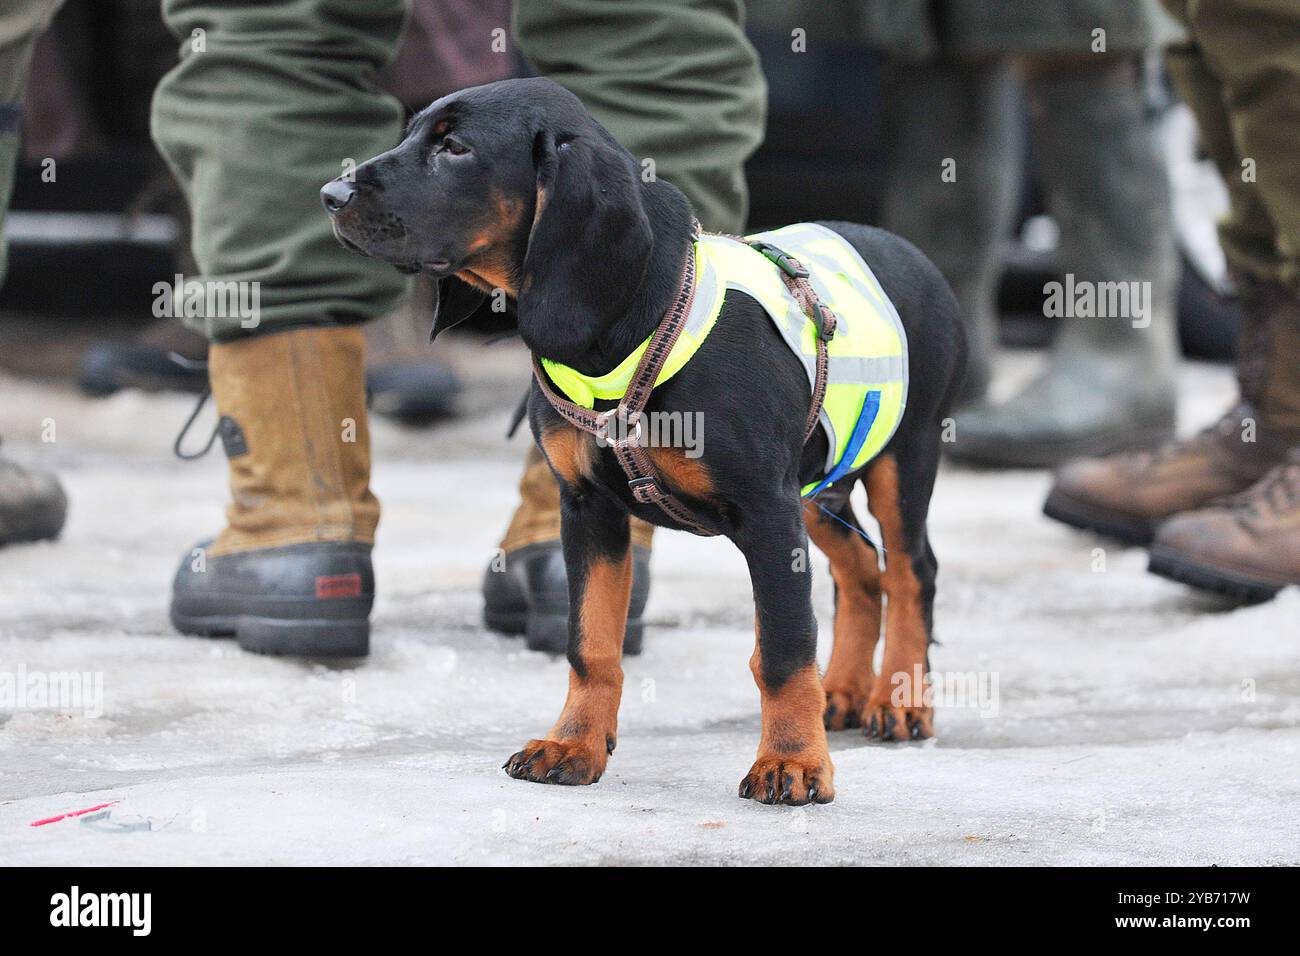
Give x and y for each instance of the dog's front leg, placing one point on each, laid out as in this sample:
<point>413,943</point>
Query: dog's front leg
<point>598,559</point>
<point>793,765</point>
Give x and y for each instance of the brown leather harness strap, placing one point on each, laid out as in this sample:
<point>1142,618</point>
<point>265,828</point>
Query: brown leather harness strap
<point>797,281</point>
<point>643,477</point>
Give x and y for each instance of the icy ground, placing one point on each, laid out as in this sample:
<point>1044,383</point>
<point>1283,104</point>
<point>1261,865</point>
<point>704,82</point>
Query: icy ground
<point>1136,722</point>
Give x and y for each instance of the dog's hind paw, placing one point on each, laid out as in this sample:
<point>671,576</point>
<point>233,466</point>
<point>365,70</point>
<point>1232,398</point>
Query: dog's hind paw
<point>884,722</point>
<point>573,762</point>
<point>843,709</point>
<point>790,781</point>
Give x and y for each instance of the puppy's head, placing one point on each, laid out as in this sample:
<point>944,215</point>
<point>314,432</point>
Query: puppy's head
<point>512,186</point>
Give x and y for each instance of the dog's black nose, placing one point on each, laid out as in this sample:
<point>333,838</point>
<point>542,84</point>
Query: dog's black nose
<point>336,194</point>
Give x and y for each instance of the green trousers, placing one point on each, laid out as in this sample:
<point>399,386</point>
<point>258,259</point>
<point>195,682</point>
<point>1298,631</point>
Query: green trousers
<point>1240,71</point>
<point>675,81</point>
<point>272,97</point>
<point>21,22</point>
<point>269,101</point>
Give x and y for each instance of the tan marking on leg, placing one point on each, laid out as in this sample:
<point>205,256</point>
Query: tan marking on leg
<point>570,452</point>
<point>856,570</point>
<point>897,701</point>
<point>687,475</point>
<point>793,764</point>
<point>578,746</point>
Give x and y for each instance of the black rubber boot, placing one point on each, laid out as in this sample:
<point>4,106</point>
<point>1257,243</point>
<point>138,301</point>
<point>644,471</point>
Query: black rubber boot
<point>410,394</point>
<point>413,395</point>
<point>33,505</point>
<point>529,594</point>
<point>108,367</point>
<point>307,600</point>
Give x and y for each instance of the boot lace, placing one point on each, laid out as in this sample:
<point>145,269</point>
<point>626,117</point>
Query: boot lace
<point>188,363</point>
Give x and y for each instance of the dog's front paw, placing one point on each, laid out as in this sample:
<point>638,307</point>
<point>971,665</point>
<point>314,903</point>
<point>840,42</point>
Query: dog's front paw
<point>571,761</point>
<point>843,709</point>
<point>791,780</point>
<point>887,722</point>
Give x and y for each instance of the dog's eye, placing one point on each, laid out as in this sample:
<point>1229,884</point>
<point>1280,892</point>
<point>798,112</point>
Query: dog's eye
<point>453,147</point>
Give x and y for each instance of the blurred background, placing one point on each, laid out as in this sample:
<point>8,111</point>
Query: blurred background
<point>118,223</point>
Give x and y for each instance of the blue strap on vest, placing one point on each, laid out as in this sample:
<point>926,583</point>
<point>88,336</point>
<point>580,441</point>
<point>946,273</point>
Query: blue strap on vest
<point>866,418</point>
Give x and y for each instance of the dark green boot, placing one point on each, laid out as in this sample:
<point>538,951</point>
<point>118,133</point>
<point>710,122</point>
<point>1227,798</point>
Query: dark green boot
<point>1109,384</point>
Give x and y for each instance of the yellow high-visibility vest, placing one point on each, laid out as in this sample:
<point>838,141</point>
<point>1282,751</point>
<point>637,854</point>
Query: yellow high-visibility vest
<point>866,384</point>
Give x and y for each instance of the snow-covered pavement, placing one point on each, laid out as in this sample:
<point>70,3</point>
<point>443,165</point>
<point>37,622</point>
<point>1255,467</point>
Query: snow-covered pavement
<point>1125,719</point>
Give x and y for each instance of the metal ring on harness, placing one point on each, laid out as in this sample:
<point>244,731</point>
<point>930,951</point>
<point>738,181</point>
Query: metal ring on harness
<point>602,424</point>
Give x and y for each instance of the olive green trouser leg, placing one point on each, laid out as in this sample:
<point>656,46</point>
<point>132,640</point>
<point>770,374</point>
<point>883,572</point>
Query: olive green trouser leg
<point>676,82</point>
<point>269,99</point>
<point>21,22</point>
<point>1240,73</point>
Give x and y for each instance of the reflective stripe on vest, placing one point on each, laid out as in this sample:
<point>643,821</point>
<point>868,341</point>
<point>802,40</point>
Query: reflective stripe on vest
<point>866,389</point>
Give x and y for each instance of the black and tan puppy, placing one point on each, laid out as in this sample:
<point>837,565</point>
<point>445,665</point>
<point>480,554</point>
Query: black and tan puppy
<point>513,186</point>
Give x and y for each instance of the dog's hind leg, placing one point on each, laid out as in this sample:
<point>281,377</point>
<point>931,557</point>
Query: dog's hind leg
<point>793,764</point>
<point>855,567</point>
<point>598,558</point>
<point>899,483</point>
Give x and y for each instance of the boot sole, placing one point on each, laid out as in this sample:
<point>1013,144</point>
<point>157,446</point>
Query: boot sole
<point>320,638</point>
<point>550,633</point>
<point>1049,454</point>
<point>1077,514</point>
<point>268,635</point>
<point>1241,587</point>
<point>508,622</point>
<point>205,625</point>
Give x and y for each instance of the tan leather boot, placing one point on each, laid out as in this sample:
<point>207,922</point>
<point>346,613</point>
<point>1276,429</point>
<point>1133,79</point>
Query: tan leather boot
<point>1246,546</point>
<point>1127,495</point>
<point>291,571</point>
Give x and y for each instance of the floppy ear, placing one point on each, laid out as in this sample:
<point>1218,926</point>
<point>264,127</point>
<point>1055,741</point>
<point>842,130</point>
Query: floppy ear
<point>589,245</point>
<point>454,301</point>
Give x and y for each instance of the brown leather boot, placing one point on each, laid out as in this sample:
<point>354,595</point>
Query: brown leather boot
<point>291,572</point>
<point>1127,495</point>
<point>1246,546</point>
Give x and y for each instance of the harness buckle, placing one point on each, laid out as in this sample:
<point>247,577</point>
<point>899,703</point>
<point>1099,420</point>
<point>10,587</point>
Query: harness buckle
<point>783,260</point>
<point>646,489</point>
<point>825,321</point>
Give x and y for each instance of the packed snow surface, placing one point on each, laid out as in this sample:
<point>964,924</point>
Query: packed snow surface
<point>1124,719</point>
